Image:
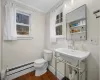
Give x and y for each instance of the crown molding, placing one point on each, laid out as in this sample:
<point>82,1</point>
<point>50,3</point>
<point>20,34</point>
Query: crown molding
<point>56,6</point>
<point>28,6</point>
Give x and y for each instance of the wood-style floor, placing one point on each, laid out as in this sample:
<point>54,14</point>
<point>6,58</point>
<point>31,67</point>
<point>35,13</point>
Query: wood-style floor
<point>31,76</point>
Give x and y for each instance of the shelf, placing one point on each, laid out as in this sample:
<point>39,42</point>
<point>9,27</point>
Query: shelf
<point>60,36</point>
<point>78,26</point>
<point>78,32</point>
<point>76,20</point>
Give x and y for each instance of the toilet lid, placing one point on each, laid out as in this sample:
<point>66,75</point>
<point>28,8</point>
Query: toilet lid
<point>40,61</point>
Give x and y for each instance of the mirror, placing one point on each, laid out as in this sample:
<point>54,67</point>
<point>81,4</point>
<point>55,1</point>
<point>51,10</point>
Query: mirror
<point>76,22</point>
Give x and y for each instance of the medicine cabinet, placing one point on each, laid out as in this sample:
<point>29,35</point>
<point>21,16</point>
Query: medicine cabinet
<point>77,23</point>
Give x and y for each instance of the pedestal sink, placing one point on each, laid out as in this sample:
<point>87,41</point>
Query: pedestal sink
<point>73,59</point>
<point>66,53</point>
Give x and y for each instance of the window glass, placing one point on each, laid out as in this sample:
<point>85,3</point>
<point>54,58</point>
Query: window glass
<point>22,30</point>
<point>59,30</point>
<point>22,23</point>
<point>59,18</point>
<point>21,18</point>
<point>61,14</point>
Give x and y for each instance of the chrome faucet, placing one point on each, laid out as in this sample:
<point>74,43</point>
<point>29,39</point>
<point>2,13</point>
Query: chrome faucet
<point>72,45</point>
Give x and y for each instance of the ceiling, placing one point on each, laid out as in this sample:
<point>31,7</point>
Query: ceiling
<point>43,5</point>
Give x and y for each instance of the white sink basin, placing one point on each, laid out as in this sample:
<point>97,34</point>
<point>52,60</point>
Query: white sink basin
<point>72,54</point>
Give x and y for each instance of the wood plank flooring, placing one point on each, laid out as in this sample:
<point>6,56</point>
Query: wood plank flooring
<point>31,76</point>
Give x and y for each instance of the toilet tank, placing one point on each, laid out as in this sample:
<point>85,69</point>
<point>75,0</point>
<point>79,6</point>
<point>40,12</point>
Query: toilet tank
<point>48,55</point>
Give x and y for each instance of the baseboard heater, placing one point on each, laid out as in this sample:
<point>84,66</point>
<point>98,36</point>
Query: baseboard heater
<point>19,69</point>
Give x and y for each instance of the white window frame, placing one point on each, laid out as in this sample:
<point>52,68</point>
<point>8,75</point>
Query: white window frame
<point>59,36</point>
<point>28,13</point>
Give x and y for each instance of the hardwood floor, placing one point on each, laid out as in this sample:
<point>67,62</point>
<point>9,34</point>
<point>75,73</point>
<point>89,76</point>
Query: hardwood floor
<point>31,76</point>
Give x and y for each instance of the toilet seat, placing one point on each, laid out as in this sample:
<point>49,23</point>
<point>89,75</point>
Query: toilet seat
<point>38,65</point>
<point>39,61</point>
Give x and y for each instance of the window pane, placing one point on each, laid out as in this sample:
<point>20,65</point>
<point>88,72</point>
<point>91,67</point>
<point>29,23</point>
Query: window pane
<point>61,20</point>
<point>22,30</point>
<point>57,17</point>
<point>57,21</point>
<point>21,18</point>
<point>59,30</point>
<point>61,15</point>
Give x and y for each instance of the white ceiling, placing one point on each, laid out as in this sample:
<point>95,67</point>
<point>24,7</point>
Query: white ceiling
<point>43,5</point>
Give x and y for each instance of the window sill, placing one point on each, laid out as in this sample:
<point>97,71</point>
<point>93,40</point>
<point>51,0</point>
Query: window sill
<point>24,38</point>
<point>60,37</point>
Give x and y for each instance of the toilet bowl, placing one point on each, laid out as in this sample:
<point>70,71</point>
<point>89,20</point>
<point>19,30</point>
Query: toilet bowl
<point>40,67</point>
<point>42,64</point>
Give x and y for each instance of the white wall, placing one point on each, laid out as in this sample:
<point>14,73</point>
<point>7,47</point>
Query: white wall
<point>92,32</point>
<point>99,48</point>
<point>16,53</point>
<point>0,35</point>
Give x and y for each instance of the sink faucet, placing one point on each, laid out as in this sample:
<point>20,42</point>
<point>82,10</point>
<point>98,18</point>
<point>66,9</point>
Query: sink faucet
<point>72,45</point>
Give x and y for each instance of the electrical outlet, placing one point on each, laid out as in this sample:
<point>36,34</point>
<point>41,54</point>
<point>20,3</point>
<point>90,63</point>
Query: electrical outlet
<point>94,41</point>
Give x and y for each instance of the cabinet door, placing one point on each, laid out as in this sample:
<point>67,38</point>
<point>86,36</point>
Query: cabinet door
<point>76,14</point>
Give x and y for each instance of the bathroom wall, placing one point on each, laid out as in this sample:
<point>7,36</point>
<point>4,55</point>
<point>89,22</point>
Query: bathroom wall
<point>19,52</point>
<point>0,35</point>
<point>92,33</point>
<point>99,48</point>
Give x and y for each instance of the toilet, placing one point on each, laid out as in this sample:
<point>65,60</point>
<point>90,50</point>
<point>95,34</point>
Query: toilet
<point>42,64</point>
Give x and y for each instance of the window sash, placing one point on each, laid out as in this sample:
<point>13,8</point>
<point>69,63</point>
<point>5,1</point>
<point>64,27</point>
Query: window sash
<point>21,18</point>
<point>22,24</point>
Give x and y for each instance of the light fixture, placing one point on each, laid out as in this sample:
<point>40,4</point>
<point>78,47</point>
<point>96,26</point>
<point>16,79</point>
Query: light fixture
<point>65,5</point>
<point>72,2</point>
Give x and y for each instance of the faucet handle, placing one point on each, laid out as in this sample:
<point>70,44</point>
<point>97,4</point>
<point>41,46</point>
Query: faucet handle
<point>70,46</point>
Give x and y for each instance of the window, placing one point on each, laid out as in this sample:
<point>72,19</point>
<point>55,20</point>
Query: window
<point>59,30</point>
<point>22,23</point>
<point>59,20</point>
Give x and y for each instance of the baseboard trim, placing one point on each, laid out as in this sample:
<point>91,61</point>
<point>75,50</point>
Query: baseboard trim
<point>59,74</point>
